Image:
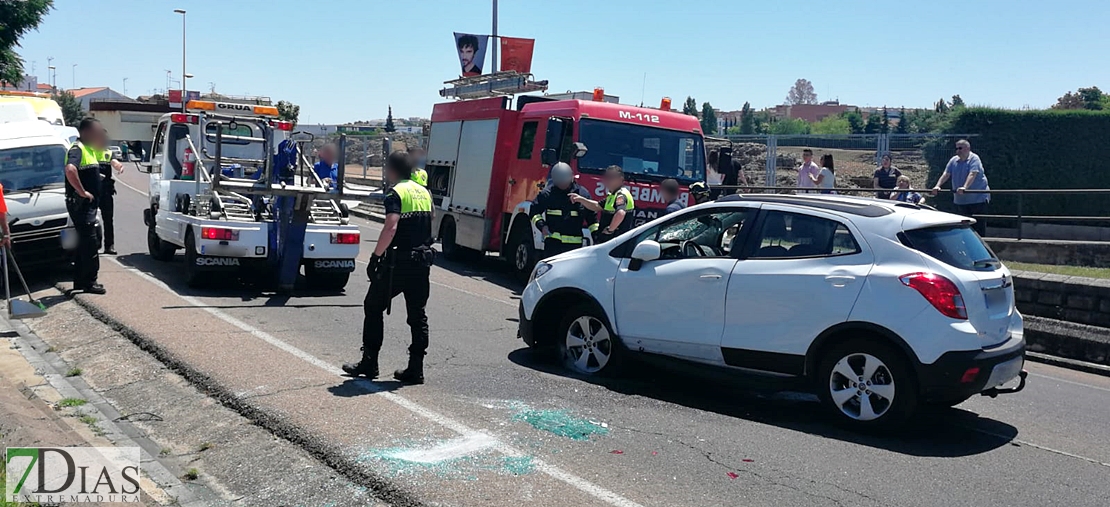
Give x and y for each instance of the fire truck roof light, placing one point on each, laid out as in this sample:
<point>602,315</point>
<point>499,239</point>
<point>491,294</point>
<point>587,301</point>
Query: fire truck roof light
<point>599,94</point>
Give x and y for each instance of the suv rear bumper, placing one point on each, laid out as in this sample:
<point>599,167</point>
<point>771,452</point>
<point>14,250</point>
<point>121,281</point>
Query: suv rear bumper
<point>951,377</point>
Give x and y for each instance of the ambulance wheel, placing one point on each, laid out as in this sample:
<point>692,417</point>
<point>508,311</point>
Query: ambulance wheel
<point>193,276</point>
<point>159,250</point>
<point>521,252</point>
<point>319,280</point>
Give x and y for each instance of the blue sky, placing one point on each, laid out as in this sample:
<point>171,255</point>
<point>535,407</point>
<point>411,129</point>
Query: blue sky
<point>345,60</point>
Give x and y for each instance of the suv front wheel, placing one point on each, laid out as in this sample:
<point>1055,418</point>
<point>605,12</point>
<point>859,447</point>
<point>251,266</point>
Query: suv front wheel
<point>586,344</point>
<point>867,384</point>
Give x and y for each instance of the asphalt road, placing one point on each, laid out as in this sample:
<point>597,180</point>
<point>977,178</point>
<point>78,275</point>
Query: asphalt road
<point>667,439</point>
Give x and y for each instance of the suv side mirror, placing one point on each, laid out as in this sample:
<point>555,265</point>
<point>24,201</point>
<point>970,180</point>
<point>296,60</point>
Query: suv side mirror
<point>647,250</point>
<point>579,150</point>
<point>549,157</point>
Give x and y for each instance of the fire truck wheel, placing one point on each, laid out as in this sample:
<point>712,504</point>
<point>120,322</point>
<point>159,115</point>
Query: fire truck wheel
<point>451,250</point>
<point>522,254</point>
<point>193,276</point>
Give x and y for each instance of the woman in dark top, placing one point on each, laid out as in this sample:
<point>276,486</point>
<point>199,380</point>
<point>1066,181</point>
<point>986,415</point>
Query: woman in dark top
<point>885,177</point>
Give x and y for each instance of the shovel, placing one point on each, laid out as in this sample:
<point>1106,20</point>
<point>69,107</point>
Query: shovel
<point>17,308</point>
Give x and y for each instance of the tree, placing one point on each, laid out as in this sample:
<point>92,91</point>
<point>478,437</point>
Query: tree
<point>855,121</point>
<point>957,101</point>
<point>72,113</point>
<point>789,126</point>
<point>885,128</point>
<point>16,19</point>
<point>903,123</point>
<point>389,121</point>
<point>708,119</point>
<point>747,120</point>
<point>874,124</point>
<point>288,111</point>
<point>801,93</point>
<point>690,107</point>
<point>941,106</point>
<point>832,125</point>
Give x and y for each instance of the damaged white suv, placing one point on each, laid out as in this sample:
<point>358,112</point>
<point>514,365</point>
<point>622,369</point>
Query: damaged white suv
<point>876,306</point>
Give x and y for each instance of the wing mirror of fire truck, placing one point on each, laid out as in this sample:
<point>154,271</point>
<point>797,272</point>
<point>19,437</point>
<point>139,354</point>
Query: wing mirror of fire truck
<point>549,157</point>
<point>580,150</point>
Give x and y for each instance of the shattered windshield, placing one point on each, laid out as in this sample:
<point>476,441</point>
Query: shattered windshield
<point>645,153</point>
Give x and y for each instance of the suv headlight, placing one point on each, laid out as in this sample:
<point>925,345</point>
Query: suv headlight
<point>541,269</point>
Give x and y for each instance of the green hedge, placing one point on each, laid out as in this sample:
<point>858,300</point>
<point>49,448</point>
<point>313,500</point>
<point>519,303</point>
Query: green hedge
<point>1035,149</point>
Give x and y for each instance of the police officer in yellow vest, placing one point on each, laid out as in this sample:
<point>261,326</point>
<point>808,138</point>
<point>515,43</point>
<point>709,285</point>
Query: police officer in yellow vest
<point>82,192</point>
<point>401,264</point>
<point>418,156</point>
<point>617,208</point>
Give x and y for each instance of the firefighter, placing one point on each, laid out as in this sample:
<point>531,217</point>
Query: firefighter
<point>560,218</point>
<point>418,156</point>
<point>107,195</point>
<point>618,205</point>
<point>401,264</point>
<point>699,192</point>
<point>82,191</point>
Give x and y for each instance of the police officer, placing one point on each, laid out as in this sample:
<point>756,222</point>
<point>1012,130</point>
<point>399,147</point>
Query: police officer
<point>401,264</point>
<point>107,195</point>
<point>618,205</point>
<point>559,218</point>
<point>82,191</point>
<point>418,156</point>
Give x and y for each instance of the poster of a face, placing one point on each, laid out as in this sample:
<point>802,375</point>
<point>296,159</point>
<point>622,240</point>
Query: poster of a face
<point>472,52</point>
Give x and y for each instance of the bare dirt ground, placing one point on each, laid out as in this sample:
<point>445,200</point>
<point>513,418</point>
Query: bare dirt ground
<point>854,168</point>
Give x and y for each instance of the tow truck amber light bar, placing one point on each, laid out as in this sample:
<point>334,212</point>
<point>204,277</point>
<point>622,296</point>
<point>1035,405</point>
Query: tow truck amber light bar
<point>345,238</point>
<point>227,107</point>
<point>219,234</point>
<point>184,118</point>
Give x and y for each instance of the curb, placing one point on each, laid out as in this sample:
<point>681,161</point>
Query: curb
<point>1071,364</point>
<point>50,369</point>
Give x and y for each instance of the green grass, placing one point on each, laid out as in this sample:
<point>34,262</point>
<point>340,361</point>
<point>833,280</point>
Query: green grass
<point>192,474</point>
<point>73,372</point>
<point>71,402</point>
<point>4,492</point>
<point>87,419</point>
<point>1061,270</point>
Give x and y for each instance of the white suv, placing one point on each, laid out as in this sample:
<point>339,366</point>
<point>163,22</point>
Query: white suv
<point>876,306</point>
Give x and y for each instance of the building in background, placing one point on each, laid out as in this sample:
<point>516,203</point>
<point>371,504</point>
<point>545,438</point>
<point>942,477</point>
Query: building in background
<point>811,112</point>
<point>86,95</point>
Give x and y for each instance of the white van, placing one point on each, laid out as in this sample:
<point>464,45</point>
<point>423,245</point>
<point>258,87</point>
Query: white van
<point>32,170</point>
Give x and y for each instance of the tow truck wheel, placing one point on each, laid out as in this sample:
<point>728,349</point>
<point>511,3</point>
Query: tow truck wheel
<point>159,250</point>
<point>193,276</point>
<point>522,254</point>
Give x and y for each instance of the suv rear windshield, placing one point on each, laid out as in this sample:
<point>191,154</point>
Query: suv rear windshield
<point>955,245</point>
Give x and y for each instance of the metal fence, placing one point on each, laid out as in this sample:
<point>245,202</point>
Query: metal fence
<point>368,151</point>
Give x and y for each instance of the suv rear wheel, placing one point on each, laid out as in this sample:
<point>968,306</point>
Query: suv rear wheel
<point>867,384</point>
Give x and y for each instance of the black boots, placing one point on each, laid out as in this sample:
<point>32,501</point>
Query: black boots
<point>414,374</point>
<point>368,368</point>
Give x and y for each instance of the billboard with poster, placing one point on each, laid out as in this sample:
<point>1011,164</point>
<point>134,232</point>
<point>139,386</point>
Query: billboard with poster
<point>472,52</point>
<point>516,54</point>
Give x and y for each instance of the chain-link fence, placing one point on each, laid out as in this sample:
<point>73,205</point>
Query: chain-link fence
<point>365,154</point>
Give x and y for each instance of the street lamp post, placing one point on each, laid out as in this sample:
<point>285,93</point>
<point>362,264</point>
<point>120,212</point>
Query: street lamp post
<point>124,87</point>
<point>74,68</point>
<point>53,77</point>
<point>183,74</point>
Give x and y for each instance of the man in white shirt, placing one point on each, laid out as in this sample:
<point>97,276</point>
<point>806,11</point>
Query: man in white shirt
<point>808,169</point>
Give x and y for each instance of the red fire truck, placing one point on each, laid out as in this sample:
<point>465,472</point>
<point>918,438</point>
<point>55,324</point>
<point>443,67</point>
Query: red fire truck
<point>487,161</point>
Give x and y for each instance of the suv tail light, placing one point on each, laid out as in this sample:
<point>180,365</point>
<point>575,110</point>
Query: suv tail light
<point>345,238</point>
<point>939,291</point>
<point>220,234</point>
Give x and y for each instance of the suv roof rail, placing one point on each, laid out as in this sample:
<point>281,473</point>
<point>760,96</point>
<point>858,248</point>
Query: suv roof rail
<point>862,208</point>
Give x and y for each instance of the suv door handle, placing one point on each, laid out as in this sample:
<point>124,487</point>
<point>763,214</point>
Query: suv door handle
<point>840,280</point>
<point>710,277</point>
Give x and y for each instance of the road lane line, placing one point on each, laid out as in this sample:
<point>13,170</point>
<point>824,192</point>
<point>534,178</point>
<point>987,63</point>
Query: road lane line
<point>447,451</point>
<point>1072,382</point>
<point>465,431</point>
<point>141,192</point>
<point>1036,446</point>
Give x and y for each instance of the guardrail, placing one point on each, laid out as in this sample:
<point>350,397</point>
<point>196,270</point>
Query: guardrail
<point>1020,217</point>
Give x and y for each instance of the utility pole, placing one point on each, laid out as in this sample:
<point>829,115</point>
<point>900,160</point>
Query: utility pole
<point>496,41</point>
<point>124,87</point>
<point>74,68</point>
<point>183,74</point>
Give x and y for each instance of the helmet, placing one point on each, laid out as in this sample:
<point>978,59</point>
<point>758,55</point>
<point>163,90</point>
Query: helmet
<point>562,174</point>
<point>699,190</point>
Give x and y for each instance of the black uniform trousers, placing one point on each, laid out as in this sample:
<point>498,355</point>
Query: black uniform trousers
<point>86,265</point>
<point>107,211</point>
<point>552,247</point>
<point>410,278</point>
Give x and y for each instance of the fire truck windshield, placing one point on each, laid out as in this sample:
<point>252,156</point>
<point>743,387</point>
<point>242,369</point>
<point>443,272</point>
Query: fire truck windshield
<point>643,152</point>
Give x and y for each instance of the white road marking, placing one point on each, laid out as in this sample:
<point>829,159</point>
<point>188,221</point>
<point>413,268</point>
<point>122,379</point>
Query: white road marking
<point>141,192</point>
<point>459,427</point>
<point>1072,382</point>
<point>1036,446</point>
<point>447,451</point>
